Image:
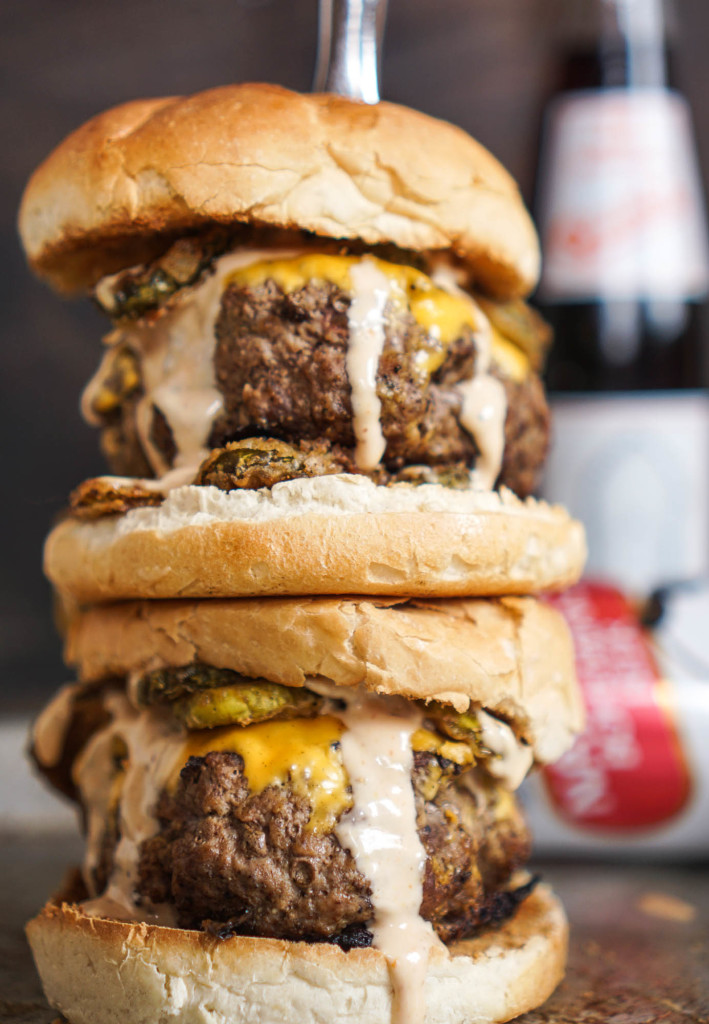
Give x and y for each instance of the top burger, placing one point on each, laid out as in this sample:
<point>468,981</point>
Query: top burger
<point>305,291</point>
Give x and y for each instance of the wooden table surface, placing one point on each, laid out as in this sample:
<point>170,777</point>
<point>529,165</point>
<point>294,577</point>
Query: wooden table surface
<point>639,951</point>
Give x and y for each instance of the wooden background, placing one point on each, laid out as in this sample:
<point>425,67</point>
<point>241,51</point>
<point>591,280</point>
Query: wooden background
<point>485,64</point>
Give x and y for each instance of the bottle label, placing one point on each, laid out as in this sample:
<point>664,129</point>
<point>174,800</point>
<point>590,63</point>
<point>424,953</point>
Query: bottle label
<point>628,770</point>
<point>621,207</point>
<point>633,469</point>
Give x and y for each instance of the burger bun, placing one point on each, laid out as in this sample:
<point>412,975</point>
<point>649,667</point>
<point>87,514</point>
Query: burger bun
<point>101,971</point>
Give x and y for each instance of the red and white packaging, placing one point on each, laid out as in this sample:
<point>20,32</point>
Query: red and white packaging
<point>637,780</point>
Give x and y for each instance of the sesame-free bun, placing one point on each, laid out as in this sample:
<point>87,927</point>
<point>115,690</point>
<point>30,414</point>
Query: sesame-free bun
<point>513,656</point>
<point>101,971</point>
<point>119,188</point>
<point>323,535</point>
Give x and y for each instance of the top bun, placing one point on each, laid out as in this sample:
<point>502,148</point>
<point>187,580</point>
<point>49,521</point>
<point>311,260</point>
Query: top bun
<point>118,189</point>
<point>514,656</point>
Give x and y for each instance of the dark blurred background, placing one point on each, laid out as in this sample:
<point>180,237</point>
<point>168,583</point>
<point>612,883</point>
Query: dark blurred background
<point>485,64</point>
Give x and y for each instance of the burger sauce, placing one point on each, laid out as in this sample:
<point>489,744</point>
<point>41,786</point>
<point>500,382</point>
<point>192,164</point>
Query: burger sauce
<point>370,292</point>
<point>153,746</point>
<point>484,403</point>
<point>380,831</point>
<point>178,378</point>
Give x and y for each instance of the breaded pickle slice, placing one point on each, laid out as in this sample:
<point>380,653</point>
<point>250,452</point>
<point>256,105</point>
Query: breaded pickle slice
<point>244,704</point>
<point>463,727</point>
<point>204,697</point>
<point>520,324</point>
<point>167,684</point>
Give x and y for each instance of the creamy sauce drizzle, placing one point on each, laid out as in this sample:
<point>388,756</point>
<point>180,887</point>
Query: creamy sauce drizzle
<point>482,414</point>
<point>153,745</point>
<point>177,367</point>
<point>370,292</point>
<point>50,729</point>
<point>484,403</point>
<point>94,773</point>
<point>512,759</point>
<point>380,832</point>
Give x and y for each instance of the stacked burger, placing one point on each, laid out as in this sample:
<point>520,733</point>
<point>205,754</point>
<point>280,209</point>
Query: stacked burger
<point>312,665</point>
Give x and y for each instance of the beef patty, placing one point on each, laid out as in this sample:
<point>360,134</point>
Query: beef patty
<point>280,364</point>
<point>244,863</point>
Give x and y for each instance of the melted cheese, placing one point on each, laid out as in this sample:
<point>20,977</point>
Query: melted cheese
<point>442,314</point>
<point>301,752</point>
<point>458,753</point>
<point>176,350</point>
<point>374,284</point>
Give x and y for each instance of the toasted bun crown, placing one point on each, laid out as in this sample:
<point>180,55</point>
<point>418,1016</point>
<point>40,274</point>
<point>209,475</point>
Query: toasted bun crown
<point>115,190</point>
<point>513,655</point>
<point>98,971</point>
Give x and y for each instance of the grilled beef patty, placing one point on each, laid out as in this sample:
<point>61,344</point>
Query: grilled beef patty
<point>244,863</point>
<point>280,364</point>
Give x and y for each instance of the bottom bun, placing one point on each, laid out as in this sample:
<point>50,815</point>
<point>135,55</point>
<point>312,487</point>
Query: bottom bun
<point>100,971</point>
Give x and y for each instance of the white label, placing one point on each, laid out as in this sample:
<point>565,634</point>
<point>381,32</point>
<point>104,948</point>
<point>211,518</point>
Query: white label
<point>621,210</point>
<point>635,470</point>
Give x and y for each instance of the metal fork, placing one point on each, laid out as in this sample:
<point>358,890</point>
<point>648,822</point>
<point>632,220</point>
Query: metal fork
<point>349,48</point>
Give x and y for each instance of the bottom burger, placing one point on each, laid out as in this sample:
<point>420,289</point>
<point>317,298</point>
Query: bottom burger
<point>303,810</point>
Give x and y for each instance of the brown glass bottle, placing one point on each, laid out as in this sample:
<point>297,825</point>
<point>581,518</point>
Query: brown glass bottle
<point>646,334</point>
<point>625,279</point>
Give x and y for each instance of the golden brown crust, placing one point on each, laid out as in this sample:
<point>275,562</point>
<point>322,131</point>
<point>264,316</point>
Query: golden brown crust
<point>327,535</point>
<point>512,655</point>
<point>264,155</point>
<point>98,497</point>
<point>99,971</point>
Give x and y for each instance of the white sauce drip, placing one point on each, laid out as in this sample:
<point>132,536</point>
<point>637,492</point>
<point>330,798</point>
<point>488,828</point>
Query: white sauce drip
<point>370,291</point>
<point>484,403</point>
<point>176,353</point>
<point>483,414</point>
<point>154,745</point>
<point>50,729</point>
<point>177,365</point>
<point>512,759</point>
<point>93,773</point>
<point>88,395</point>
<point>380,832</point>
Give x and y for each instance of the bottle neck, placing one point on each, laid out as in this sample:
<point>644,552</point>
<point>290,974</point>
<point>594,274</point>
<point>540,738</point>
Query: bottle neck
<point>617,43</point>
<point>633,43</point>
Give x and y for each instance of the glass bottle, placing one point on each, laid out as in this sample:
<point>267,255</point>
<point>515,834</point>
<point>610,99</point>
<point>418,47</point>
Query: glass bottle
<point>625,283</point>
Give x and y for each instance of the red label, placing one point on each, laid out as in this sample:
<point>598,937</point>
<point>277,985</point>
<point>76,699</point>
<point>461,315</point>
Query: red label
<point>627,770</point>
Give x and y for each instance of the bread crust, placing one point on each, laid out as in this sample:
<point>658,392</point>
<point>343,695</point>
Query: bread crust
<point>99,971</point>
<point>325,535</point>
<point>512,655</point>
<point>113,191</point>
